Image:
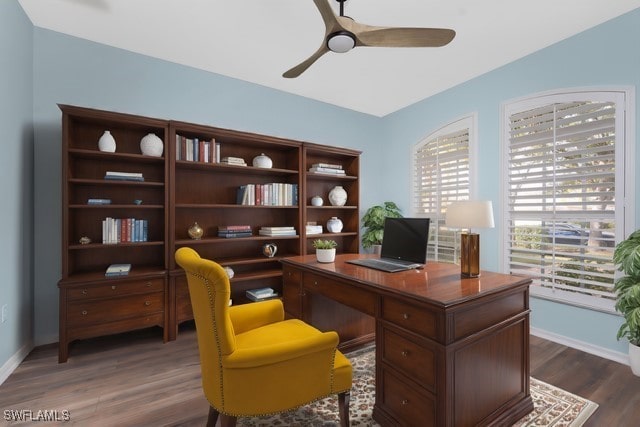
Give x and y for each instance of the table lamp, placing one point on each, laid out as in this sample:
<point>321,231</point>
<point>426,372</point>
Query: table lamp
<point>470,214</point>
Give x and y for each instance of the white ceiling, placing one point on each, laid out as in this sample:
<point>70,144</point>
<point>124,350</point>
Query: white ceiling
<point>257,40</point>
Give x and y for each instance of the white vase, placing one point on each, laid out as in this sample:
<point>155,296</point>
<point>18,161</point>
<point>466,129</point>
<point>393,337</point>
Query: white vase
<point>317,201</point>
<point>326,255</point>
<point>262,161</point>
<point>634,359</point>
<point>334,225</point>
<point>337,196</point>
<point>151,145</point>
<point>107,142</point>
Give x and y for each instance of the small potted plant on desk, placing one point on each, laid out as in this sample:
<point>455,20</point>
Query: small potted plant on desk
<point>627,257</point>
<point>325,250</point>
<point>373,221</point>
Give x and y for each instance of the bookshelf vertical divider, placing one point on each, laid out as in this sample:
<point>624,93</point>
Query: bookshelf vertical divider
<point>190,183</point>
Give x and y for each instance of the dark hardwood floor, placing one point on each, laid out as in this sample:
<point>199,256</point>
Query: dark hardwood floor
<point>134,379</point>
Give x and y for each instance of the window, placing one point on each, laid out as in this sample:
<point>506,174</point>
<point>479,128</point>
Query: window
<point>441,176</point>
<point>564,193</point>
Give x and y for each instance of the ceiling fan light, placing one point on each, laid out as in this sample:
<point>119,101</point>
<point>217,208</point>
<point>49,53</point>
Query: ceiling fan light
<point>341,42</point>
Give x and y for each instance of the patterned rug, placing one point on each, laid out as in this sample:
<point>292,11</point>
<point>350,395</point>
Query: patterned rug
<point>552,406</point>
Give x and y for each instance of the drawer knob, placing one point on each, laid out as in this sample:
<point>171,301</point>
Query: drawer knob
<point>405,316</point>
<point>113,287</point>
<point>315,282</point>
<point>404,353</point>
<point>148,284</point>
<point>84,312</point>
<point>405,401</point>
<point>84,292</point>
<point>147,303</point>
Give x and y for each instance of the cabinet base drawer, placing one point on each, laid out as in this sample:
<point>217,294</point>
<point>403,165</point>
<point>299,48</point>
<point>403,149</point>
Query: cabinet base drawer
<point>409,405</point>
<point>77,332</point>
<point>100,311</point>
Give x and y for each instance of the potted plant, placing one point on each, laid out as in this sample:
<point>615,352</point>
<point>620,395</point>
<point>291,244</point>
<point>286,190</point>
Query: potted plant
<point>325,250</point>
<point>373,221</point>
<point>627,257</point>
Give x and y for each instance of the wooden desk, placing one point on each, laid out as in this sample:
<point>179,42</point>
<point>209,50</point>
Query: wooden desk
<point>449,351</point>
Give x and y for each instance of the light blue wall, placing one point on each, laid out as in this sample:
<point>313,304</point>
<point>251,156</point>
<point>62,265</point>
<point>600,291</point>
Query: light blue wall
<point>603,56</point>
<point>69,70</point>
<point>73,71</point>
<point>16,164</point>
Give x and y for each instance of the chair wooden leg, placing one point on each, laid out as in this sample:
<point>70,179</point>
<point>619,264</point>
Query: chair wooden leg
<point>213,417</point>
<point>343,408</point>
<point>225,420</point>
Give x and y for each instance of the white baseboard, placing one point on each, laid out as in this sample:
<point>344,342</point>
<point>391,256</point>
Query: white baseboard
<point>14,361</point>
<point>606,353</point>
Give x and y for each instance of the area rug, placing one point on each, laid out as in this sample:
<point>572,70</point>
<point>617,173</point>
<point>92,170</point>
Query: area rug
<point>552,406</point>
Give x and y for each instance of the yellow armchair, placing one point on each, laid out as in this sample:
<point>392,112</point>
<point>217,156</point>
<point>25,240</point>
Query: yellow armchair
<point>253,361</point>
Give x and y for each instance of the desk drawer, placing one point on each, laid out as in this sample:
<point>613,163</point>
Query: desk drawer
<point>410,358</point>
<point>409,405</point>
<point>341,292</point>
<point>413,318</point>
<point>291,291</point>
<point>109,310</point>
<point>115,289</point>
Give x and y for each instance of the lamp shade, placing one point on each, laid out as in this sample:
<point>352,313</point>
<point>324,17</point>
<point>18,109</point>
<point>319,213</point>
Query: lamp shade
<point>470,214</point>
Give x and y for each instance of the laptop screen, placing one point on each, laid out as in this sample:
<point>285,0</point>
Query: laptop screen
<point>406,239</point>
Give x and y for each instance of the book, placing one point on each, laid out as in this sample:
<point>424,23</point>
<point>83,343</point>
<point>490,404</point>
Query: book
<point>326,165</point>
<point>331,171</point>
<point>99,201</point>
<point>277,228</point>
<point>277,233</point>
<point>234,228</point>
<point>260,294</point>
<point>115,270</point>
<point>232,234</point>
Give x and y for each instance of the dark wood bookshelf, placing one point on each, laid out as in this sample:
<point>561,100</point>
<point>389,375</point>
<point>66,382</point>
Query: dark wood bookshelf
<point>174,195</point>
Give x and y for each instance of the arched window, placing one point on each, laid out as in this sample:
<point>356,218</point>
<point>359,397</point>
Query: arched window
<point>441,175</point>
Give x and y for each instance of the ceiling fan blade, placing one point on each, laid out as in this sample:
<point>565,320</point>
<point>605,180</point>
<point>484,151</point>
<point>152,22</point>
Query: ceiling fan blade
<point>328,16</point>
<point>302,67</point>
<point>404,37</point>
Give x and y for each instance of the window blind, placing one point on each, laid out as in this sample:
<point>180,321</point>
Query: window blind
<point>561,200</point>
<point>441,176</point>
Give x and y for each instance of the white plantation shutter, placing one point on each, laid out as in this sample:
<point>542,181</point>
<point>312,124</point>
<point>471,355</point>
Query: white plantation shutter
<point>563,171</point>
<point>441,176</point>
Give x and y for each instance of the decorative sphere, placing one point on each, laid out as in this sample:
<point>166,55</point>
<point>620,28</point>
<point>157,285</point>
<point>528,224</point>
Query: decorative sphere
<point>195,231</point>
<point>230,272</point>
<point>151,145</point>
<point>262,161</point>
<point>338,196</point>
<point>334,225</point>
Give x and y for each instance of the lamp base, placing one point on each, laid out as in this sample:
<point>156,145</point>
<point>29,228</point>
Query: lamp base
<point>470,255</point>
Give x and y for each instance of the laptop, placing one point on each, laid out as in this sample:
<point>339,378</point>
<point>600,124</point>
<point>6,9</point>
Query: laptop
<point>404,246</point>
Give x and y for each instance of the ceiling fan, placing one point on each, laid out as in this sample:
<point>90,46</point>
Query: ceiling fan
<point>343,34</point>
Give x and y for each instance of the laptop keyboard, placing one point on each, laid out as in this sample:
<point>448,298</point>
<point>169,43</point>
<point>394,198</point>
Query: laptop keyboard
<point>386,264</point>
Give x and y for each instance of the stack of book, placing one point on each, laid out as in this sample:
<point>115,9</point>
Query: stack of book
<point>260,294</point>
<point>124,176</point>
<point>277,231</point>
<point>115,270</point>
<point>236,161</point>
<point>231,231</point>
<point>327,168</point>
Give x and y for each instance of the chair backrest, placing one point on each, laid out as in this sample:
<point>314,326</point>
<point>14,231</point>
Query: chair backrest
<point>209,291</point>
